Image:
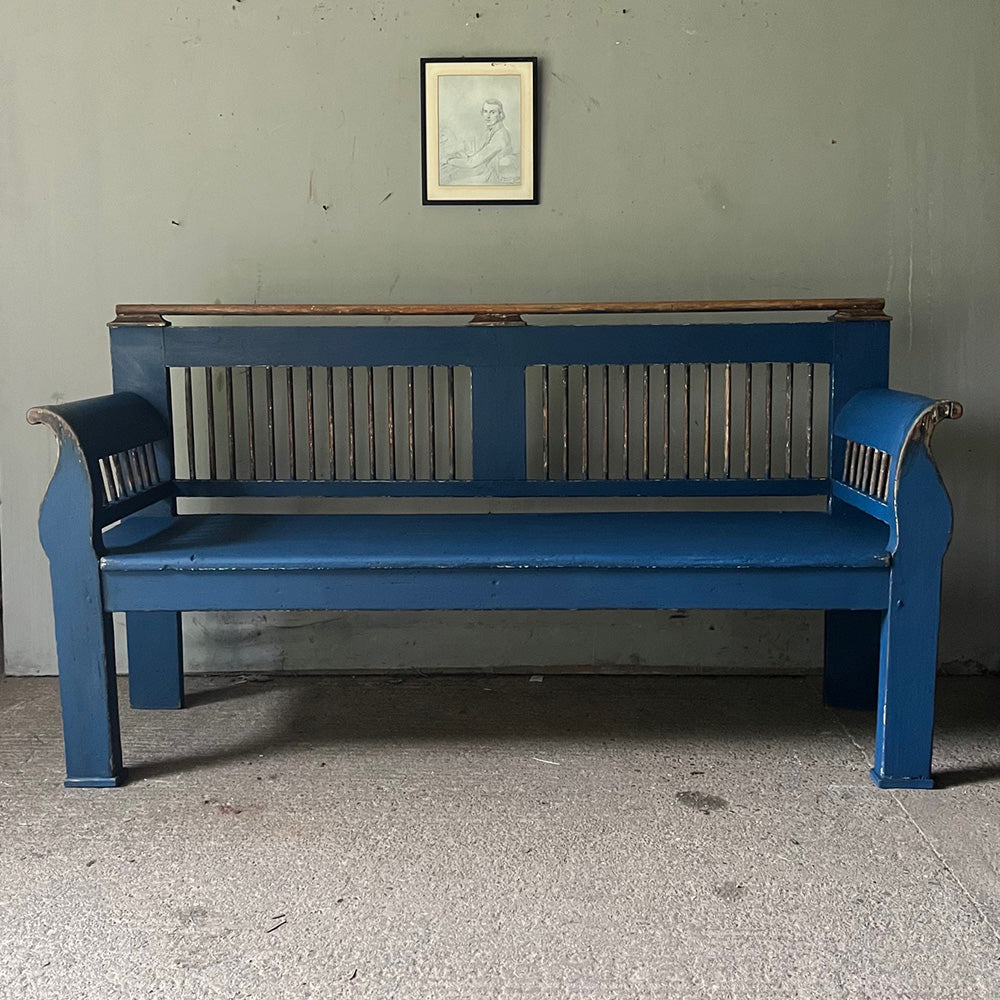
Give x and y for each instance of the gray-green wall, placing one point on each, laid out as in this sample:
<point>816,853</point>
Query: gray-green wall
<point>186,151</point>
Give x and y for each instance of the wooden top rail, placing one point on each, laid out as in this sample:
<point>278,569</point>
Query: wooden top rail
<point>509,313</point>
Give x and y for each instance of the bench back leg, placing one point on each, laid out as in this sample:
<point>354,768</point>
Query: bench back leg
<point>155,665</point>
<point>850,671</point>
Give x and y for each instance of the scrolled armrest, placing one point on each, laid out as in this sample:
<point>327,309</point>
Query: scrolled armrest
<point>112,454</point>
<point>887,419</point>
<point>882,437</point>
<point>103,425</point>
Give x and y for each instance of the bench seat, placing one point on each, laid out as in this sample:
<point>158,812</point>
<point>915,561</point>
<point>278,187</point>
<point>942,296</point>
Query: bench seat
<point>481,560</point>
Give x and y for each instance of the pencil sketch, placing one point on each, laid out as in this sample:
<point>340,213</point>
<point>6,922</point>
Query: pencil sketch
<point>479,136</point>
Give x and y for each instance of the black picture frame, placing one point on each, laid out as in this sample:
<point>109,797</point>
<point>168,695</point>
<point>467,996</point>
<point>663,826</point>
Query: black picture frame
<point>479,130</point>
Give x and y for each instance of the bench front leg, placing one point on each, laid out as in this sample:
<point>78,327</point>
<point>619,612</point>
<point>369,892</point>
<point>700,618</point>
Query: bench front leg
<point>904,724</point>
<point>88,688</point>
<point>908,659</point>
<point>155,659</point>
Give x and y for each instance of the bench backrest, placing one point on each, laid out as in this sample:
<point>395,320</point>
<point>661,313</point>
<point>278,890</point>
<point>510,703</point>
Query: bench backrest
<point>606,410</point>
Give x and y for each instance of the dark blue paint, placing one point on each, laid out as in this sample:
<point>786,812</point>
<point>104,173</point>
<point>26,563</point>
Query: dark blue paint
<point>84,631</point>
<point>603,344</point>
<point>498,422</point>
<point>865,563</point>
<point>908,655</point>
<point>514,588</point>
<point>156,670</point>
<point>553,488</point>
<point>639,540</point>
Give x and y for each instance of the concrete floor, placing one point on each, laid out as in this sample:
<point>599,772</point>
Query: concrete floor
<point>479,837</point>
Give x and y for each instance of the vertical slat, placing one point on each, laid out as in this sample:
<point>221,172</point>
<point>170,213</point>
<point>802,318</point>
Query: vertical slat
<point>269,397</point>
<point>452,458</point>
<point>585,415</point>
<point>251,426</point>
<point>331,433</point>
<point>139,460</point>
<point>410,429</point>
<point>606,410</point>
<point>666,421</point>
<point>866,468</point>
<point>626,406</point>
<point>110,493</point>
<point>768,416</point>
<point>122,475</point>
<point>310,423</point>
<point>564,375</point>
<point>855,457</point>
<point>210,417</point>
<point>135,470</point>
<point>143,458</point>
<point>154,469</point>
<point>120,461</point>
<point>352,455</point>
<point>114,489</point>
<point>371,421</point>
<point>290,394</point>
<point>104,482</point>
<point>727,443</point>
<point>687,421</point>
<point>747,415</point>
<point>645,421</point>
<point>708,420</point>
<point>788,421</point>
<point>119,476</point>
<point>431,449</point>
<point>883,485</point>
<point>125,457</point>
<point>390,399</point>
<point>545,421</point>
<point>230,422</point>
<point>848,451</point>
<point>810,368</point>
<point>872,484</point>
<point>189,422</point>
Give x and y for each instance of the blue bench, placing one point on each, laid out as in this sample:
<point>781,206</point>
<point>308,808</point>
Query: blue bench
<point>812,485</point>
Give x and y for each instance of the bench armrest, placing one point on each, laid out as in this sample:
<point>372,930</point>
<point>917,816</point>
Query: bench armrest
<point>881,460</point>
<point>114,460</point>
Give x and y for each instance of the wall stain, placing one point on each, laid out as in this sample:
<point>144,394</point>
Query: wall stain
<point>590,102</point>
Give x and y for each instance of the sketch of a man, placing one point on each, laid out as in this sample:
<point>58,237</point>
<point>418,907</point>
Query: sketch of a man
<point>495,161</point>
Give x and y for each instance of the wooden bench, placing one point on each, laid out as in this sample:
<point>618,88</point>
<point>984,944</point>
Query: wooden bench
<point>642,418</point>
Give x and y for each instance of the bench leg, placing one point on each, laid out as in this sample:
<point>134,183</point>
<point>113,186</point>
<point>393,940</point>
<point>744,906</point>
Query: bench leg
<point>88,689</point>
<point>907,674</point>
<point>850,672</point>
<point>155,663</point>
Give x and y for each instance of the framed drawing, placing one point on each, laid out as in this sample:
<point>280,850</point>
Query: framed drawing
<point>479,131</point>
